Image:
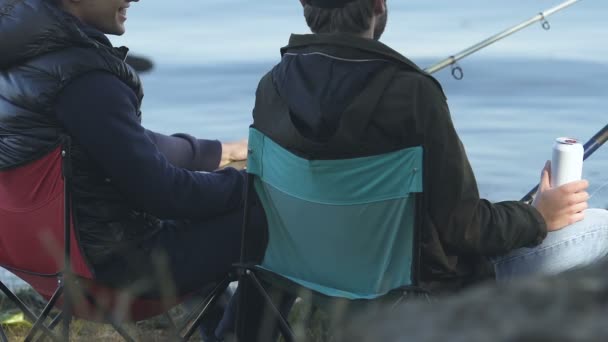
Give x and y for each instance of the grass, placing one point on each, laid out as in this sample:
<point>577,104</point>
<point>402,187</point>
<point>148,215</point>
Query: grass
<point>154,329</point>
<point>82,331</point>
<point>309,324</point>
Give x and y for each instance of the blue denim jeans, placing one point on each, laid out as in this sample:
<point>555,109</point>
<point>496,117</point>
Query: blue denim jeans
<point>577,245</point>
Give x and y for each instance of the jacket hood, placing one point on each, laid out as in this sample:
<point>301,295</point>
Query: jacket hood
<point>29,28</point>
<point>323,77</point>
<point>319,89</point>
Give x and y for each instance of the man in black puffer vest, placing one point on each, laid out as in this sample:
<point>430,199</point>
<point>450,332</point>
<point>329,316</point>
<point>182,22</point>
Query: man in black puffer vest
<point>138,201</point>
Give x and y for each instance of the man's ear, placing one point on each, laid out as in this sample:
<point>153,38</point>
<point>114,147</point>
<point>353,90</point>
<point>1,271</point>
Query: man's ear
<point>379,6</point>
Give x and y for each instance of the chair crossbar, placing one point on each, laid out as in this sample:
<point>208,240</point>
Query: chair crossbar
<point>56,320</point>
<point>208,303</point>
<point>26,311</point>
<point>43,316</point>
<point>3,337</point>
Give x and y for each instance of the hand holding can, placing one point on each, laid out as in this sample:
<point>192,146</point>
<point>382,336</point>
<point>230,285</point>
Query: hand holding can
<point>563,205</point>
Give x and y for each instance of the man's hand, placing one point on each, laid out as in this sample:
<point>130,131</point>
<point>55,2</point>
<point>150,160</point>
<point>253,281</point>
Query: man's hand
<point>561,206</point>
<point>233,152</point>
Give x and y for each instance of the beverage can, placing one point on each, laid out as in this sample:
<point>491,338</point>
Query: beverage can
<point>566,161</point>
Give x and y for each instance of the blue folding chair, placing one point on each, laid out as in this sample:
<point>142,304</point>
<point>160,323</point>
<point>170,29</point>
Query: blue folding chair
<point>338,229</point>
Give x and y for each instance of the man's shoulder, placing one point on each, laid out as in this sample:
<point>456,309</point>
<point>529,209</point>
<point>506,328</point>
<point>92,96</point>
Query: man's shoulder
<point>78,63</point>
<point>69,53</point>
<point>100,86</point>
<point>407,78</point>
<point>408,71</point>
<point>70,60</point>
<point>267,82</point>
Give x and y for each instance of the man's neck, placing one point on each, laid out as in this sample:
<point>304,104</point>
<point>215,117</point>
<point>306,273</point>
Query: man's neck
<point>369,34</point>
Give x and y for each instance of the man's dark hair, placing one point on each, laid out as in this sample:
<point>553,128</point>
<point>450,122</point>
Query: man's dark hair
<point>354,17</point>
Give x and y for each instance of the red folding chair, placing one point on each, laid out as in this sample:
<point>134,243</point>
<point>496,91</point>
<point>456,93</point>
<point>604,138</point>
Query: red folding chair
<point>39,244</point>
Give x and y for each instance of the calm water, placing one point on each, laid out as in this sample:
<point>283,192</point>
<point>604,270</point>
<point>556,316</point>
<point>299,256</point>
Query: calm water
<point>516,97</point>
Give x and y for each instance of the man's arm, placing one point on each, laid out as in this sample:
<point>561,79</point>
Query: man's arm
<point>187,152</point>
<point>99,112</point>
<point>466,223</point>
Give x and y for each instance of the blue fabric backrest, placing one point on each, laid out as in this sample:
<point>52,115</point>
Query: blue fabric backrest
<point>344,227</point>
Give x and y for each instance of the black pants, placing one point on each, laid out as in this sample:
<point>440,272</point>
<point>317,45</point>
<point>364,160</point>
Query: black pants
<point>184,257</point>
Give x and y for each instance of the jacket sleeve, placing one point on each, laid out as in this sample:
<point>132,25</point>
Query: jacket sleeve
<point>187,152</point>
<point>100,113</point>
<point>465,223</point>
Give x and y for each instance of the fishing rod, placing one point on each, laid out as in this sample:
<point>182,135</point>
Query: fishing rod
<point>590,147</point>
<point>593,144</point>
<point>452,60</point>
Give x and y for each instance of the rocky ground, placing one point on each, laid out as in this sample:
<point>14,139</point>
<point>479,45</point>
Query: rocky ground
<point>569,307</point>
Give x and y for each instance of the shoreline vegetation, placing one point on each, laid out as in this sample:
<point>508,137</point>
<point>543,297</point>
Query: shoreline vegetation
<point>154,329</point>
<point>309,324</point>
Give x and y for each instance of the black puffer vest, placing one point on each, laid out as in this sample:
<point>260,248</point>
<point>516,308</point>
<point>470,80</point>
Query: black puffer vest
<point>42,49</point>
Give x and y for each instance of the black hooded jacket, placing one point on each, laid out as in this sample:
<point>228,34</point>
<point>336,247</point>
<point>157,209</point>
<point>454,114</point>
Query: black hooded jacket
<point>326,81</point>
<point>58,77</point>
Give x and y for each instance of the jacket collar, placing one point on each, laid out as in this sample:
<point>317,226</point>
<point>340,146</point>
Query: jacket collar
<point>348,41</point>
<point>101,39</point>
<point>93,33</point>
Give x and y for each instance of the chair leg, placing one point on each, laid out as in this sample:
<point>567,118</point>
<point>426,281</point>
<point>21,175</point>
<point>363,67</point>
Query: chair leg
<point>3,337</point>
<point>39,322</point>
<point>66,318</point>
<point>288,334</point>
<point>26,311</point>
<point>56,320</point>
<point>13,298</point>
<point>66,321</point>
<point>109,319</point>
<point>209,301</point>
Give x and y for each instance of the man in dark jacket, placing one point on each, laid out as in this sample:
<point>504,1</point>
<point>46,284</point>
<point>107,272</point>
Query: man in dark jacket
<point>140,208</point>
<point>314,87</point>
